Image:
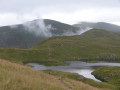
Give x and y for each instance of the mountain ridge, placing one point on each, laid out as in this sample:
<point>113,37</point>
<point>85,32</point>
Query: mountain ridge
<point>30,33</point>
<point>99,25</point>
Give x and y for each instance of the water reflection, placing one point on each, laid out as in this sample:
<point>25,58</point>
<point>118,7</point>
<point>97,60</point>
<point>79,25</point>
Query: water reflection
<point>79,67</point>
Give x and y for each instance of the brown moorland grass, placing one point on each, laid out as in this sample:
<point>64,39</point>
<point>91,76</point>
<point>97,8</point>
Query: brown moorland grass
<point>76,85</point>
<point>18,77</point>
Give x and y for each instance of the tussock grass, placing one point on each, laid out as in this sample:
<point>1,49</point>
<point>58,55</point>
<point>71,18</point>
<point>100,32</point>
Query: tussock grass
<point>18,77</point>
<point>109,74</point>
<point>67,76</point>
<point>75,85</point>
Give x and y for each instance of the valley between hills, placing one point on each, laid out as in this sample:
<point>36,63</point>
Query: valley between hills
<point>94,45</point>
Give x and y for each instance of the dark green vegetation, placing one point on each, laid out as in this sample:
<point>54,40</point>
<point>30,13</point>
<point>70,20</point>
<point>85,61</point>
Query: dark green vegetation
<point>95,44</point>
<point>75,76</point>
<point>24,56</point>
<point>99,25</point>
<point>109,74</point>
<point>30,33</point>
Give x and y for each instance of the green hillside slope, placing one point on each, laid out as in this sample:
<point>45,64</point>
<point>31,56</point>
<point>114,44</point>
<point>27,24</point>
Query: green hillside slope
<point>94,44</point>
<point>109,75</point>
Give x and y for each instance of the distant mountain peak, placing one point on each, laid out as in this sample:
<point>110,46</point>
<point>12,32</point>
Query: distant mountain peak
<point>99,25</point>
<point>28,34</point>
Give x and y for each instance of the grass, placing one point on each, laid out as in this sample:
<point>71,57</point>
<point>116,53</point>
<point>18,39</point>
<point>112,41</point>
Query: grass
<point>109,74</point>
<point>93,44</point>
<point>55,51</point>
<point>23,56</point>
<point>74,76</point>
<point>19,77</point>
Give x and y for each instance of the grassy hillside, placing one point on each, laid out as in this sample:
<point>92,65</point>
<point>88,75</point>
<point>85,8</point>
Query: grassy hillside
<point>17,77</point>
<point>74,76</point>
<point>94,44</point>
<point>28,55</point>
<point>109,74</point>
<point>100,44</point>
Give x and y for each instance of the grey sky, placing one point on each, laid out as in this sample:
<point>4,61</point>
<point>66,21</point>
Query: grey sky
<point>67,11</point>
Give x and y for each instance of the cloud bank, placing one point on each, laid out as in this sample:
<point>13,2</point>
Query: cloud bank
<point>67,11</point>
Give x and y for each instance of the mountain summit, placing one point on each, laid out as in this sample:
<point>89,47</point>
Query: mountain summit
<point>30,33</point>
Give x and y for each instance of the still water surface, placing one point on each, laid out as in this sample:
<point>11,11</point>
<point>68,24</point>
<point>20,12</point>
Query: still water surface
<point>82,68</point>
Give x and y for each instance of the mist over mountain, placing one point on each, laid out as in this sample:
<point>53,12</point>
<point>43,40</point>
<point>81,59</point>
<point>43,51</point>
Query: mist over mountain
<point>98,25</point>
<point>30,33</point>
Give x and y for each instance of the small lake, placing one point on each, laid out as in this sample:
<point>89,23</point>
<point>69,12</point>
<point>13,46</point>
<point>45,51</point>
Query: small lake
<point>82,68</point>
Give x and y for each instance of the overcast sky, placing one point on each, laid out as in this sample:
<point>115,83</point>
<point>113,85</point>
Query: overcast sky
<point>67,11</point>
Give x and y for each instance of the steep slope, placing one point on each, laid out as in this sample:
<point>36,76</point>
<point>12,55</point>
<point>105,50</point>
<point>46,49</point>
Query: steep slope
<point>99,25</point>
<point>18,77</point>
<point>30,33</point>
<point>17,37</point>
<point>60,29</point>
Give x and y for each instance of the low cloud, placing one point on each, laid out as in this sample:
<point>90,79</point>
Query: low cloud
<point>67,11</point>
<point>38,27</point>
